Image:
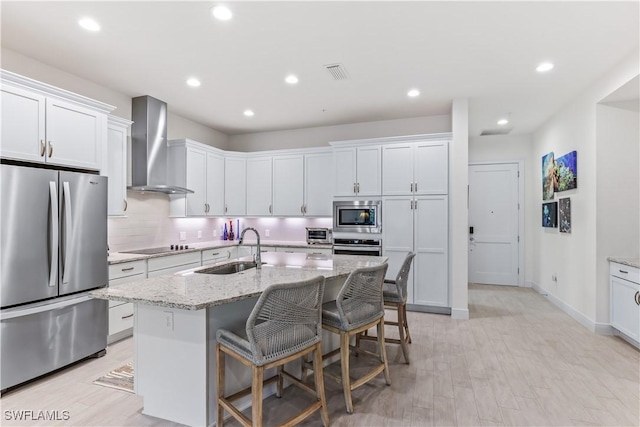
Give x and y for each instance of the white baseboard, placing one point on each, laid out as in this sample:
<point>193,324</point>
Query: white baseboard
<point>460,313</point>
<point>528,284</point>
<point>598,328</point>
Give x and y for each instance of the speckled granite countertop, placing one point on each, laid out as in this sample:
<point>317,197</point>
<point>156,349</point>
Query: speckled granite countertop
<point>119,257</point>
<point>631,262</point>
<point>194,291</point>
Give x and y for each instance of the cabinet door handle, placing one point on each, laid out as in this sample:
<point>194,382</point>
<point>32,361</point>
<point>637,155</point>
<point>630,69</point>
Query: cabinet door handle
<point>205,208</point>
<point>50,149</point>
<point>623,272</point>
<point>42,147</point>
<point>354,188</point>
<point>302,209</point>
<point>126,205</point>
<point>411,187</point>
<point>415,187</point>
<point>637,297</point>
<point>270,209</point>
<point>358,187</point>
<point>305,208</point>
<point>127,316</point>
<point>215,253</point>
<point>127,269</point>
<point>225,208</point>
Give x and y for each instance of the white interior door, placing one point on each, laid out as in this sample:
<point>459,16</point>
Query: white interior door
<point>493,217</point>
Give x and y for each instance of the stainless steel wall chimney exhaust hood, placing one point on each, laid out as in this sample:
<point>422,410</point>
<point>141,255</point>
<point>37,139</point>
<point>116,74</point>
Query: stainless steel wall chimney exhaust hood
<point>149,147</point>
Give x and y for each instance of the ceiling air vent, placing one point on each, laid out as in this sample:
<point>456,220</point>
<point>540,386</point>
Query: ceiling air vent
<point>501,131</point>
<point>337,71</point>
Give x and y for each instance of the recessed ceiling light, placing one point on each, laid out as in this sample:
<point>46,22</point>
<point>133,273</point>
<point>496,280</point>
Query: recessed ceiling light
<point>221,12</point>
<point>89,24</point>
<point>503,122</point>
<point>248,113</point>
<point>291,79</point>
<point>544,67</point>
<point>413,93</point>
<point>193,82</point>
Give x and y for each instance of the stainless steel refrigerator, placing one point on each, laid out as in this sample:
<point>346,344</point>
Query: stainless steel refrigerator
<point>53,251</point>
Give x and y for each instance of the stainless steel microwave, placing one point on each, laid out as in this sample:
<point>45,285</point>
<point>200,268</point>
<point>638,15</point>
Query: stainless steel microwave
<point>357,216</point>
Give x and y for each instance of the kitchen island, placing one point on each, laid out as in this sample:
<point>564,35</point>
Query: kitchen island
<point>177,317</point>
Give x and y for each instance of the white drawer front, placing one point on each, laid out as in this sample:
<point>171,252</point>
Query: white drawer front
<point>170,261</point>
<point>215,255</point>
<point>625,272</point>
<point>125,269</point>
<point>308,250</point>
<point>157,273</point>
<point>133,278</point>
<point>120,318</point>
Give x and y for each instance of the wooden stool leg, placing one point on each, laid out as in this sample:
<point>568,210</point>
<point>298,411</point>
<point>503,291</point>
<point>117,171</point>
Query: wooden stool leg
<point>280,381</point>
<point>319,377</point>
<point>256,394</point>
<point>344,362</point>
<point>383,350</point>
<point>403,342</point>
<point>219,384</point>
<point>406,323</point>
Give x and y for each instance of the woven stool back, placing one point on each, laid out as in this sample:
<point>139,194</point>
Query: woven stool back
<point>403,276</point>
<point>360,299</point>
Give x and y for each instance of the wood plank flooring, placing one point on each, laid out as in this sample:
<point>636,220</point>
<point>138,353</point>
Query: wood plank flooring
<point>518,361</point>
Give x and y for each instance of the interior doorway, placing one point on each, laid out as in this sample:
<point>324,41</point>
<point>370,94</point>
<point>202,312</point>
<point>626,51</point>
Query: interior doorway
<point>496,223</point>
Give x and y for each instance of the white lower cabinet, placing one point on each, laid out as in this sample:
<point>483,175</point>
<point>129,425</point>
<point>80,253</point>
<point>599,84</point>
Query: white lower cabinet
<point>418,224</point>
<point>213,256</point>
<point>121,313</point>
<point>173,263</point>
<point>625,300</point>
<point>308,250</point>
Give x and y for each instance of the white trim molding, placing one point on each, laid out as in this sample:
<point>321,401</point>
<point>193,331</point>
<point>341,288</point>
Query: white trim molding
<point>460,313</point>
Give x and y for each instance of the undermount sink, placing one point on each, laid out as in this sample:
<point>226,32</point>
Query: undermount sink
<point>230,268</point>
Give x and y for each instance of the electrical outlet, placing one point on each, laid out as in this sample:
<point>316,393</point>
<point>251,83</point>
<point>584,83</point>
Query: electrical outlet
<point>183,235</point>
<point>267,232</point>
<point>199,234</point>
<point>554,278</point>
<point>215,233</point>
<point>167,319</point>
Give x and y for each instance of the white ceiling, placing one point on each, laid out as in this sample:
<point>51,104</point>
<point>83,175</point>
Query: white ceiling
<point>486,51</point>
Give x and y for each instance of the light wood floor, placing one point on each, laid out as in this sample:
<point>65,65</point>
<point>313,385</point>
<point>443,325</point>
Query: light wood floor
<point>517,361</point>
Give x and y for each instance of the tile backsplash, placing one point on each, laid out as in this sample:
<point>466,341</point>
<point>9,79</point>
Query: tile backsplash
<point>147,224</point>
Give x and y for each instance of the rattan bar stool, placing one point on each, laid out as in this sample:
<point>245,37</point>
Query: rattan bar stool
<point>357,308</point>
<point>284,325</point>
<point>394,293</point>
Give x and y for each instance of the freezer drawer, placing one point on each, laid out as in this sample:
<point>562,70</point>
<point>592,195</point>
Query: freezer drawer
<point>37,339</point>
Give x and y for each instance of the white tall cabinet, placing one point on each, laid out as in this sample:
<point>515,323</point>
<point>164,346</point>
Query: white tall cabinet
<point>415,216</point>
<point>116,164</point>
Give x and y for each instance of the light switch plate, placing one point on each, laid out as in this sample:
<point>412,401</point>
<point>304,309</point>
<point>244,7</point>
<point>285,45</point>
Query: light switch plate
<point>199,234</point>
<point>267,232</point>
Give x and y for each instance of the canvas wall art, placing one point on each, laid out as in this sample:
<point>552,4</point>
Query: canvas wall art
<point>566,172</point>
<point>550,214</point>
<point>564,214</point>
<point>548,176</point>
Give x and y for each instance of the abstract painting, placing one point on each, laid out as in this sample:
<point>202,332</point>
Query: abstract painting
<point>564,210</point>
<point>566,173</point>
<point>548,176</point>
<point>550,214</point>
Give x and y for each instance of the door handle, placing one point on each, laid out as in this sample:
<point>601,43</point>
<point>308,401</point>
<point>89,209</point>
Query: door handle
<point>53,226</point>
<point>127,269</point>
<point>127,316</point>
<point>225,208</point>
<point>302,209</point>
<point>358,187</point>
<point>637,297</point>
<point>42,147</point>
<point>68,231</point>
<point>411,187</point>
<point>50,149</point>
<point>270,209</point>
<point>415,187</point>
<point>126,205</point>
<point>354,188</point>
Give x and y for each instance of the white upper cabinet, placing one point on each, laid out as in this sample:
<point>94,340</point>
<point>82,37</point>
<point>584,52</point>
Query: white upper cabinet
<point>415,168</point>
<point>259,186</point>
<point>23,115</point>
<point>358,171</point>
<point>215,184</point>
<point>44,124</point>
<point>199,168</point>
<point>116,164</point>
<point>235,189</point>
<point>288,188</point>
<point>318,196</point>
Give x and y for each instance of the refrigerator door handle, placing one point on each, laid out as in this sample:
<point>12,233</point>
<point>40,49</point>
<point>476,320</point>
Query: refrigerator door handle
<point>21,312</point>
<point>53,228</point>
<point>68,231</point>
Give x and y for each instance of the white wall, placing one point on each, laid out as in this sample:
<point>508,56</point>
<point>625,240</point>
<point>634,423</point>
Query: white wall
<point>501,148</point>
<point>458,209</point>
<point>572,257</point>
<point>617,194</point>
<point>177,126</point>
<point>321,136</point>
